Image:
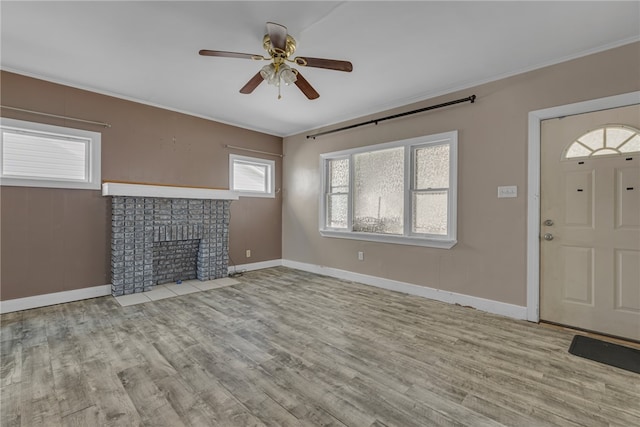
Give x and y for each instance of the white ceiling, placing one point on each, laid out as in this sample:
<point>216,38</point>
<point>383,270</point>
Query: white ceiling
<point>402,52</point>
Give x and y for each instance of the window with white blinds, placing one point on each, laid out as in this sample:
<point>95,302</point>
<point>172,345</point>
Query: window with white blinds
<point>38,155</point>
<point>251,176</point>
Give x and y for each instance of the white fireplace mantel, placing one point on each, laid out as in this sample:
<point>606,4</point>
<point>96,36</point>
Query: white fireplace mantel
<point>166,191</point>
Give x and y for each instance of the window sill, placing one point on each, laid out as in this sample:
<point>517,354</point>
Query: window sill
<point>398,240</point>
<point>261,195</point>
<point>48,183</point>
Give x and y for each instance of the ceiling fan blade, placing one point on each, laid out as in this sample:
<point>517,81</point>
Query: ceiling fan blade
<point>252,84</point>
<point>306,87</point>
<point>221,53</point>
<point>329,64</point>
<point>278,35</point>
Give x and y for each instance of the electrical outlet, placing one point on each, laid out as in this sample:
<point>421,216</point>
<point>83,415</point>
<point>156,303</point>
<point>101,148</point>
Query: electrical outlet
<point>360,256</point>
<point>248,253</point>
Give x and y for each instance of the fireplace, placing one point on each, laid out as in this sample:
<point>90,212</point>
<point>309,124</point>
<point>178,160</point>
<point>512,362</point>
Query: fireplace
<point>163,234</point>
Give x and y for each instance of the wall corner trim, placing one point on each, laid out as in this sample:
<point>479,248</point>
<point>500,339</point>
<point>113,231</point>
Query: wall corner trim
<point>489,306</point>
<point>44,300</point>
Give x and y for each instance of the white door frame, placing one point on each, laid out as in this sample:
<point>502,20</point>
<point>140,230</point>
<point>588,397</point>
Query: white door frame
<point>533,183</point>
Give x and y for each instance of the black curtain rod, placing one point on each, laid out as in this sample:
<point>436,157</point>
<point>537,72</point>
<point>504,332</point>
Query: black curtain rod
<point>470,99</point>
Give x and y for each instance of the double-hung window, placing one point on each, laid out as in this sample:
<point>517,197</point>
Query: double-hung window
<point>39,155</point>
<point>400,192</point>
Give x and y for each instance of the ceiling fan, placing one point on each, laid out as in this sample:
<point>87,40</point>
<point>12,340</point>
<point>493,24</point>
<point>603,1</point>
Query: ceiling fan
<point>280,46</point>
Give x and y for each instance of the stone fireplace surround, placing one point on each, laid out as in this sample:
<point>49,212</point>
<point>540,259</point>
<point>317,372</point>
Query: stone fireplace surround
<point>153,226</point>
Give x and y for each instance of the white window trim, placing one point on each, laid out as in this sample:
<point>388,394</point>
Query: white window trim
<point>94,172</point>
<point>433,241</point>
<point>271,164</point>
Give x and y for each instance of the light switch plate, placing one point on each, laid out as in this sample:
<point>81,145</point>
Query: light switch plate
<point>507,191</point>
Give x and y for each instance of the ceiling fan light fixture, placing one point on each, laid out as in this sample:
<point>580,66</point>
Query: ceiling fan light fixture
<point>268,73</point>
<point>287,75</point>
<point>275,76</point>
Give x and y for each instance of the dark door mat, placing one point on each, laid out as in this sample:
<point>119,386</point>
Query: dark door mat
<point>605,352</point>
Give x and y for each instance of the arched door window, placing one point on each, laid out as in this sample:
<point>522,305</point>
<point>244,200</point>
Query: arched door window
<point>605,141</point>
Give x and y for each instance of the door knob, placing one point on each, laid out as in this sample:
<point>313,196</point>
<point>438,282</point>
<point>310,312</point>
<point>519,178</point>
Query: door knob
<point>548,236</point>
<point>548,222</point>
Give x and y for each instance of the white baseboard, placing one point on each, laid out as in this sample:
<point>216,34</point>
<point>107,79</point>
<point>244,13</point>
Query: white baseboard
<point>36,301</point>
<point>490,306</point>
<point>255,266</point>
<point>44,300</point>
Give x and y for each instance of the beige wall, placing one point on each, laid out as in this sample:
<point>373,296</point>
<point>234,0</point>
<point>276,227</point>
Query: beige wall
<point>489,260</point>
<point>56,240</point>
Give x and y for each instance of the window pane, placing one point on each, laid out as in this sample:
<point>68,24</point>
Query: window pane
<point>632,145</point>
<point>432,167</point>
<point>337,209</point>
<point>30,155</point>
<point>616,136</point>
<point>250,177</point>
<point>339,176</point>
<point>605,152</point>
<point>594,139</point>
<point>379,191</point>
<point>430,213</point>
<point>578,150</point>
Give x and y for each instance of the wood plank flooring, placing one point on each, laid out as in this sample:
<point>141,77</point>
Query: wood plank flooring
<point>290,348</point>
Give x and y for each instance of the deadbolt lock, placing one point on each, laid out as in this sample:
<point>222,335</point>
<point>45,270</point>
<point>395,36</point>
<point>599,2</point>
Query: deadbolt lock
<point>548,222</point>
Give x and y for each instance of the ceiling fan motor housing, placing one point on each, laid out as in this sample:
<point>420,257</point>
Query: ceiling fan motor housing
<point>290,47</point>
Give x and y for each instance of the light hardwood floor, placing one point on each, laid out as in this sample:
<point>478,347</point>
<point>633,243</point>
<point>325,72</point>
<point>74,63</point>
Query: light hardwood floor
<point>288,348</point>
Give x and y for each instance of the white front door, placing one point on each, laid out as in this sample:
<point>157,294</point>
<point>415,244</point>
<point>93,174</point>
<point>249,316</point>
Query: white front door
<point>590,213</point>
